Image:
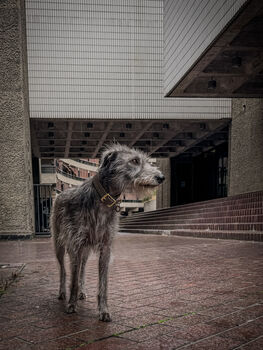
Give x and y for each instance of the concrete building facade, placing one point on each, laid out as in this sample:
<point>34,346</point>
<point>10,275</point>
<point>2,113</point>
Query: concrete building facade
<point>246,146</point>
<point>95,59</point>
<point>169,77</point>
<point>16,188</point>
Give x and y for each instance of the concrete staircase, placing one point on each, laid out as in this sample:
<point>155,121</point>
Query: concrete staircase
<point>237,217</point>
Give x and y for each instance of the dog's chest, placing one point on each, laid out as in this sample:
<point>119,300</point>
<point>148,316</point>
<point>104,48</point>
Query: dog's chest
<point>103,224</point>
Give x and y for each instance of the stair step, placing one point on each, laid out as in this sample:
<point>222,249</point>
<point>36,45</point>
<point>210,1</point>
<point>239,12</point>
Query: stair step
<point>222,234</point>
<point>197,219</point>
<point>201,209</point>
<point>217,226</point>
<point>232,200</point>
<point>239,235</point>
<point>237,217</point>
<point>146,231</point>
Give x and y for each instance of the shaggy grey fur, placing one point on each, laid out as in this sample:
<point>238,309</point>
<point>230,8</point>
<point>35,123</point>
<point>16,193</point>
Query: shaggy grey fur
<point>80,222</point>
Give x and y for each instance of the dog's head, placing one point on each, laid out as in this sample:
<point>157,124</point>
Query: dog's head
<point>129,169</point>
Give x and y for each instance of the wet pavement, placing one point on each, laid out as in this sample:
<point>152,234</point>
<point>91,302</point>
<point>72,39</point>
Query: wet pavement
<point>164,293</point>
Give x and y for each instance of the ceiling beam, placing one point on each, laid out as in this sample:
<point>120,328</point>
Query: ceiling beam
<point>68,141</point>
<point>35,145</point>
<point>205,135</point>
<point>208,148</point>
<point>102,140</point>
<point>139,135</point>
<point>170,136</point>
<point>251,70</point>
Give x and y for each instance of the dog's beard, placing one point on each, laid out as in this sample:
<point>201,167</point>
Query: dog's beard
<point>142,190</point>
<point>145,191</point>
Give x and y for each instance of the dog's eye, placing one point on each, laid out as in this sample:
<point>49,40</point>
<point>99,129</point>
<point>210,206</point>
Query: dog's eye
<point>135,161</point>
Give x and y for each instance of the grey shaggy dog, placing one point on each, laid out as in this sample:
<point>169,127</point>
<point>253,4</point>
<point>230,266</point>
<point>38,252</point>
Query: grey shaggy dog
<point>81,222</point>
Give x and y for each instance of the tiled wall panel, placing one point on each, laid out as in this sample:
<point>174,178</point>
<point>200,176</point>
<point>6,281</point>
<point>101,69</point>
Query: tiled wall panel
<point>103,59</point>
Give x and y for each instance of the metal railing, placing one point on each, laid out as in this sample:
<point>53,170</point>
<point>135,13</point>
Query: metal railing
<point>48,169</point>
<point>87,162</point>
<point>43,204</point>
<point>73,177</point>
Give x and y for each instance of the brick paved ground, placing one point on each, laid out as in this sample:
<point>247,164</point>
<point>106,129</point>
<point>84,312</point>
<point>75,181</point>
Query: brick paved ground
<point>165,293</point>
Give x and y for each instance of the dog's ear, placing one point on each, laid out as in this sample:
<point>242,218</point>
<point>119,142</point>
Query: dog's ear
<point>109,157</point>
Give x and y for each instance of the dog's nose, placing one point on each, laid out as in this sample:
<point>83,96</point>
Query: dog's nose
<point>160,179</point>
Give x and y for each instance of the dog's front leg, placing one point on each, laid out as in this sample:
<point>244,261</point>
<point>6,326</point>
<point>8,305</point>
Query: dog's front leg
<point>104,260</point>
<point>75,261</point>
<point>84,259</point>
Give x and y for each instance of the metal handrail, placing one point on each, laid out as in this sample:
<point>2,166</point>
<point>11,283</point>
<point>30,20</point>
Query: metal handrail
<point>86,162</point>
<point>48,169</point>
<point>73,177</point>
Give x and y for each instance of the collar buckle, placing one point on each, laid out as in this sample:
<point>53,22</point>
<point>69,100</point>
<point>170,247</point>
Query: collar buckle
<point>108,200</point>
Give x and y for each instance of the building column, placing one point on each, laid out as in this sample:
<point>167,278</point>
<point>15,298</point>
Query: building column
<point>246,146</point>
<point>163,195</point>
<point>16,186</point>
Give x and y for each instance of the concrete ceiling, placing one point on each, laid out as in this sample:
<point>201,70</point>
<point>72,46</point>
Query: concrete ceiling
<point>159,138</point>
<point>233,63</point>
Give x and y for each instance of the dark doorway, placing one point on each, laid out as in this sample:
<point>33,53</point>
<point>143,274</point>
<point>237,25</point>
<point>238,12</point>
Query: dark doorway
<point>199,178</point>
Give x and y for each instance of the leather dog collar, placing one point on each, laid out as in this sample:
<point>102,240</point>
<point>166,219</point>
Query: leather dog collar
<point>105,197</point>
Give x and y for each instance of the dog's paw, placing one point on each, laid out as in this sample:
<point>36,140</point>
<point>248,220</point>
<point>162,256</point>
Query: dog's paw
<point>62,296</point>
<point>105,317</point>
<point>71,308</point>
<point>82,296</point>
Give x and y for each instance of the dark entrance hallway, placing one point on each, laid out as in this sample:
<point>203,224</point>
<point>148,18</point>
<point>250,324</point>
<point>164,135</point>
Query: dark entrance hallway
<point>200,177</point>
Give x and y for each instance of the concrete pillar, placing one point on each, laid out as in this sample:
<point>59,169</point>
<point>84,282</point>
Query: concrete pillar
<point>16,187</point>
<point>163,195</point>
<point>246,146</point>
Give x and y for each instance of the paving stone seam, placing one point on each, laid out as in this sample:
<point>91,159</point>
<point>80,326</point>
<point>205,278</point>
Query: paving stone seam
<point>145,326</point>
<point>117,335</point>
<point>199,312</point>
<point>242,308</point>
<point>250,342</point>
<point>218,334</point>
<point>21,339</point>
<point>235,312</point>
<point>61,337</point>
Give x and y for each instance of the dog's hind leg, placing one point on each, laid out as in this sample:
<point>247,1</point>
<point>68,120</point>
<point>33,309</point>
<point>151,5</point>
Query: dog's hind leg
<point>104,260</point>
<point>84,259</point>
<point>60,252</point>
<point>75,262</point>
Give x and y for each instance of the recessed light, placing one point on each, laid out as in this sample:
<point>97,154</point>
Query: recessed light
<point>211,84</point>
<point>236,62</point>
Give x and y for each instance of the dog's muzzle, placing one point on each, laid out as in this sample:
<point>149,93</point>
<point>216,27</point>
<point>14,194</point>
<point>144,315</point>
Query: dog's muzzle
<point>160,179</point>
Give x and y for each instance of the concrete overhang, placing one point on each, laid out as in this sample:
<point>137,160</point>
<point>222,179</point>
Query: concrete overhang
<point>232,66</point>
